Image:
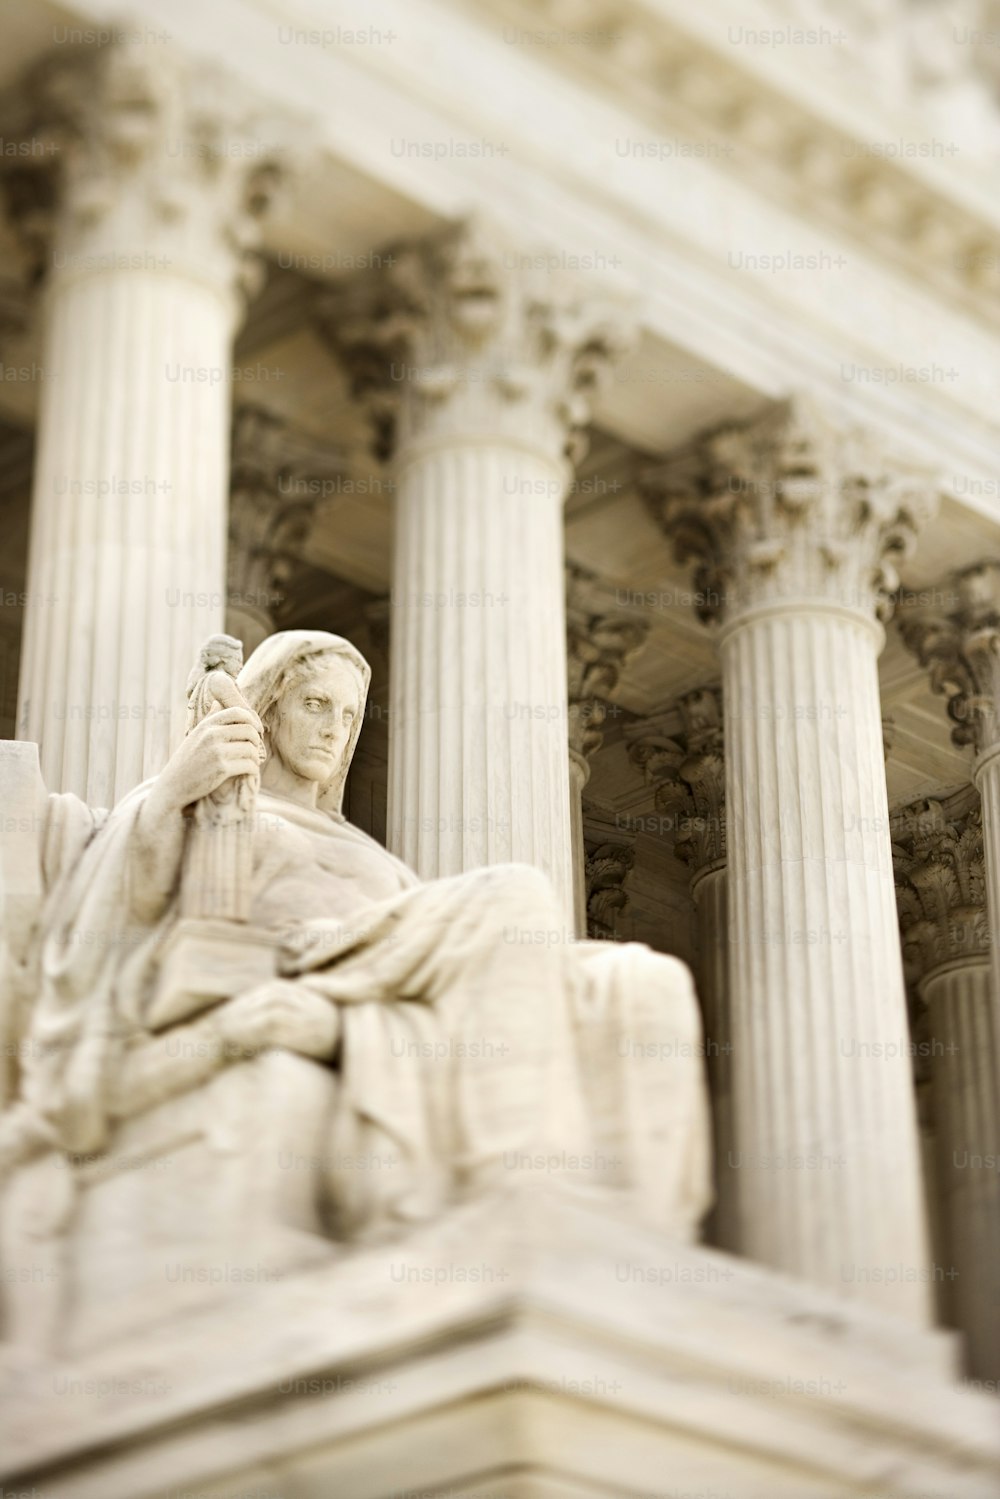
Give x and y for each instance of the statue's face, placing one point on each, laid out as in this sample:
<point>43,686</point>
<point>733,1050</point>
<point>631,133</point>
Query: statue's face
<point>312,724</point>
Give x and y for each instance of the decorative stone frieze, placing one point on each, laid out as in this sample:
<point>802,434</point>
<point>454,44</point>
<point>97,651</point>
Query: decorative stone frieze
<point>802,140</point>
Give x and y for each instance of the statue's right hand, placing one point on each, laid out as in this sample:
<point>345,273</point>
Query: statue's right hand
<point>225,744</point>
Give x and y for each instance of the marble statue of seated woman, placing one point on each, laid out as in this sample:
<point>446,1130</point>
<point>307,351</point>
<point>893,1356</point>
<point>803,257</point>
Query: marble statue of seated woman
<point>468,1043</point>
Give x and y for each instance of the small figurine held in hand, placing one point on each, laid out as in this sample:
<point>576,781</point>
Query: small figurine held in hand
<point>211,686</point>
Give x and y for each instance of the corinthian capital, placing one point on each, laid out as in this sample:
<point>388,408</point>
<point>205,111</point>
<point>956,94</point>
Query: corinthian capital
<point>599,640</point>
<point>792,507</point>
<point>142,159</point>
<point>681,755</point>
<point>278,478</point>
<point>608,866</point>
<point>961,649</point>
<point>463,334</point>
<point>940,881</point>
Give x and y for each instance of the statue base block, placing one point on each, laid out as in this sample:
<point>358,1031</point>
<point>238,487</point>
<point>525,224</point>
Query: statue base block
<point>204,961</point>
<point>529,1345</point>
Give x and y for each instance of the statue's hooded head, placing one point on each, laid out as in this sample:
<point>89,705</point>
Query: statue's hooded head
<point>283,666</point>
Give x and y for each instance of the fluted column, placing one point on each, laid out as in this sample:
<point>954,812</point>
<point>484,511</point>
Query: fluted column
<point>278,479</point>
<point>681,754</point>
<point>478,376</point>
<point>145,263</point>
<point>961,648</point>
<point>794,524</point>
<point>941,889</point>
<point>960,645</point>
<point>599,640</point>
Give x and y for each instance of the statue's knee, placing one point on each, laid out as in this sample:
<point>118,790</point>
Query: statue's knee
<point>667,987</point>
<point>525,894</point>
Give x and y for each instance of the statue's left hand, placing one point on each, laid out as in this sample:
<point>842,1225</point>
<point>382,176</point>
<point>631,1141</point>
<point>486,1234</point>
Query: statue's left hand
<point>280,1013</point>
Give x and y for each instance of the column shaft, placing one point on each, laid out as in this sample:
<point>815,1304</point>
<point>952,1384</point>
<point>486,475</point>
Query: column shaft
<point>151,210</point>
<point>127,552</point>
<point>967,1117</point>
<point>711,906</point>
<point>579,774</point>
<point>477,760</point>
<point>824,1111</point>
<point>987,778</point>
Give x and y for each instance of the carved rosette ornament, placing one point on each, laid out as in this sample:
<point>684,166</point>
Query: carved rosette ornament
<point>792,508</point>
<point>681,756</point>
<point>461,333</point>
<point>961,649</point>
<point>145,158</point>
<point>939,861</point>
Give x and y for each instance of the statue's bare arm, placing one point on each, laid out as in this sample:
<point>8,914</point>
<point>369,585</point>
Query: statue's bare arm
<point>225,744</point>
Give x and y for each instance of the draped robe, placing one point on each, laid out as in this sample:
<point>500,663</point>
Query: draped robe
<point>476,1038</point>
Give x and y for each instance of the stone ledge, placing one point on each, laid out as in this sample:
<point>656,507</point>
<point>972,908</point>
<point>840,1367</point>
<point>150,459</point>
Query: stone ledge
<point>512,1325</point>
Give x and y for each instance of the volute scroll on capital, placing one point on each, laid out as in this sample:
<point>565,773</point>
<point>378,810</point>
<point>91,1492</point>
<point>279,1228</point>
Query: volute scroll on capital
<point>960,646</point>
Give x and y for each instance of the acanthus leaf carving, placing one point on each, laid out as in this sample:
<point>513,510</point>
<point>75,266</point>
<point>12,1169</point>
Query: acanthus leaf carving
<point>461,333</point>
<point>792,507</point>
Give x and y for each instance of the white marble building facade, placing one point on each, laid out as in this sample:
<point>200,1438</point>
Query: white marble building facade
<point>623,381</point>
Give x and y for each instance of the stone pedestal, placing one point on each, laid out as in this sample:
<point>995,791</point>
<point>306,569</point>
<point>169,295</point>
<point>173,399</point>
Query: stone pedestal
<point>478,373</point>
<point>795,524</point>
<point>146,266</point>
<point>528,1345</point>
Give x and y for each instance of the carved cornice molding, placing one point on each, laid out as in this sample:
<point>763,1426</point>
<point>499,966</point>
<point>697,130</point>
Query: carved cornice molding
<point>939,864</point>
<point>463,334</point>
<point>278,478</point>
<point>681,755</point>
<point>960,647</point>
<point>792,507</point>
<point>600,638</point>
<point>142,159</point>
<point>792,133</point>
